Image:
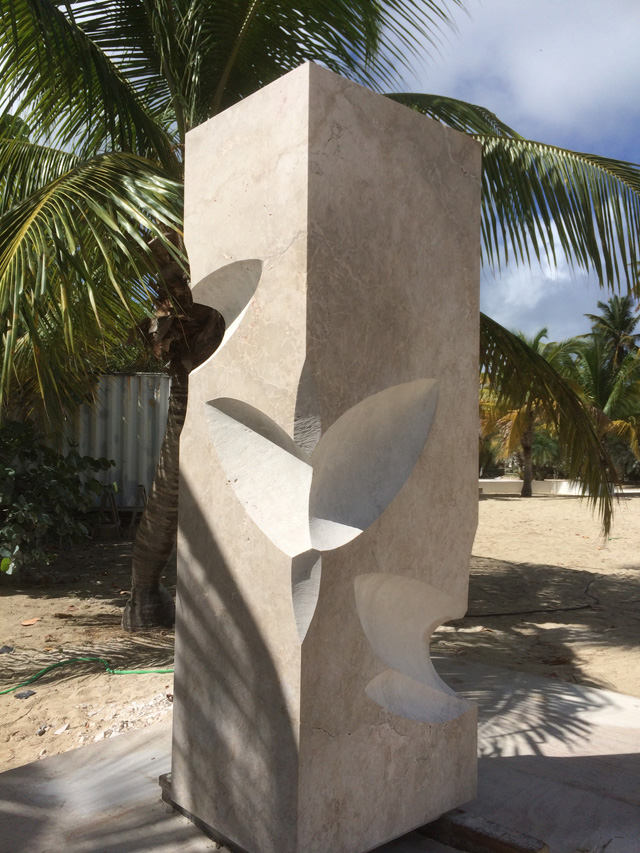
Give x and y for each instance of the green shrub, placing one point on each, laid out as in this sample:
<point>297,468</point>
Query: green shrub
<point>44,497</point>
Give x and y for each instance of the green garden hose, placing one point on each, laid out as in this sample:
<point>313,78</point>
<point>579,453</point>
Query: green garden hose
<point>105,663</point>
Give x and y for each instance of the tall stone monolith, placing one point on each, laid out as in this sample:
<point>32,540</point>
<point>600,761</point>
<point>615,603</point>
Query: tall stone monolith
<point>328,495</point>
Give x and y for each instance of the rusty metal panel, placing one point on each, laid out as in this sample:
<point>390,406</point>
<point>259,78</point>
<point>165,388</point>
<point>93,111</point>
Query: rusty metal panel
<point>127,424</point>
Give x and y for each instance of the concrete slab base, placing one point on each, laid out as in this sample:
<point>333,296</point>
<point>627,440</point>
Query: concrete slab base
<point>558,762</point>
<point>100,798</point>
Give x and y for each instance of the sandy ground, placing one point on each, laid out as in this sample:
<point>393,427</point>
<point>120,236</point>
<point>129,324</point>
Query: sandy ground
<point>78,615</point>
<point>550,596</point>
<point>547,595</point>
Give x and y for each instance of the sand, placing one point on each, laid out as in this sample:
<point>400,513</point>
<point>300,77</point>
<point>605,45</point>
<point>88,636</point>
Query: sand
<point>78,615</point>
<point>548,595</point>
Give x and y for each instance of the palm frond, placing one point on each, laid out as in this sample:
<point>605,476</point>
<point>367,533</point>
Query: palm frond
<point>72,91</point>
<point>81,242</point>
<point>511,427</point>
<point>517,372</point>
<point>562,355</point>
<point>245,45</point>
<point>629,431</point>
<point>56,361</point>
<point>120,73</point>
<point>624,389</point>
<point>124,30</point>
<point>460,115</point>
<point>537,196</point>
<point>25,167</point>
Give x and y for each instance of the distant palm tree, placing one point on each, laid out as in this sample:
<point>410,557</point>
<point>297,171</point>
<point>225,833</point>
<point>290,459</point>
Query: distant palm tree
<point>611,387</point>
<point>617,324</point>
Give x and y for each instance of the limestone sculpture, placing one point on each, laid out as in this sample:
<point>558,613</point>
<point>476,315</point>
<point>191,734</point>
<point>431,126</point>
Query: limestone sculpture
<point>327,503</point>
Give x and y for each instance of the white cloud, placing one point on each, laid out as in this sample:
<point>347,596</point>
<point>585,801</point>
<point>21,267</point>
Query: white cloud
<point>529,299</point>
<point>562,71</point>
<point>544,66</point>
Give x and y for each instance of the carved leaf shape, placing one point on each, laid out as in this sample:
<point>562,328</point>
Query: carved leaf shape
<point>398,616</point>
<point>359,465</point>
<point>229,290</point>
<point>364,459</point>
<point>306,571</point>
<point>268,472</point>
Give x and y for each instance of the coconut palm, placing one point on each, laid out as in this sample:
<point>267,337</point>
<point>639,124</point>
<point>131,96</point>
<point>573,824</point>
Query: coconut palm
<point>516,411</point>
<point>528,384</point>
<point>612,387</point>
<point>617,324</point>
<point>98,97</point>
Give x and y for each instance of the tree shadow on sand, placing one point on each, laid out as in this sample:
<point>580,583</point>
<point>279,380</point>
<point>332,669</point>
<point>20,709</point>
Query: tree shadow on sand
<point>536,618</point>
<point>95,578</point>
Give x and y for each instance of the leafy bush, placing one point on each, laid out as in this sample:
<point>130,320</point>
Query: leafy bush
<point>44,497</point>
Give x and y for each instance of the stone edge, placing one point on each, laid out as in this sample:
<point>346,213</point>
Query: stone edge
<point>473,834</point>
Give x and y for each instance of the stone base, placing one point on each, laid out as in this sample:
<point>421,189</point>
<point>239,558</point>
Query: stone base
<point>470,833</point>
<point>165,785</point>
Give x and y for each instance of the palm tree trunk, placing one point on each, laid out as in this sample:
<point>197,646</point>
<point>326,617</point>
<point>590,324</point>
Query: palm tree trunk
<point>527,466</point>
<point>151,605</point>
<point>527,472</point>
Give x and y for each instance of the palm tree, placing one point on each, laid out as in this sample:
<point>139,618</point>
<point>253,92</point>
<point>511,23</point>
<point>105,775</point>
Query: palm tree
<point>514,409</point>
<point>514,421</point>
<point>98,97</point>
<point>617,324</point>
<point>612,387</point>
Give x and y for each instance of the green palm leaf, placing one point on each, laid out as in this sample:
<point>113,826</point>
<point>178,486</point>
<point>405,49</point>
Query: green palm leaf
<point>73,92</point>
<point>26,167</point>
<point>617,325</point>
<point>611,386</point>
<point>56,361</point>
<point>113,198</point>
<point>115,72</point>
<point>75,255</point>
<point>460,115</point>
<point>251,43</point>
<point>537,196</point>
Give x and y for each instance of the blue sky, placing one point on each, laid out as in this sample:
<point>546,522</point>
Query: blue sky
<point>565,72</point>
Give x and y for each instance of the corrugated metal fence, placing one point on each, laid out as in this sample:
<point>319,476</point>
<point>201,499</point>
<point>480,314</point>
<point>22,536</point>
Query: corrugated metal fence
<point>126,424</point>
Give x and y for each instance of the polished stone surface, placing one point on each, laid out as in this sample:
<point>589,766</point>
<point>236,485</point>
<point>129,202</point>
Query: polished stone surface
<point>338,233</point>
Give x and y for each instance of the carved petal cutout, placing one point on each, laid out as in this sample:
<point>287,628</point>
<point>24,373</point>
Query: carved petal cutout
<point>398,616</point>
<point>307,428</point>
<point>268,472</point>
<point>364,459</point>
<point>305,585</point>
<point>229,290</point>
<point>360,464</point>
<point>401,695</point>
